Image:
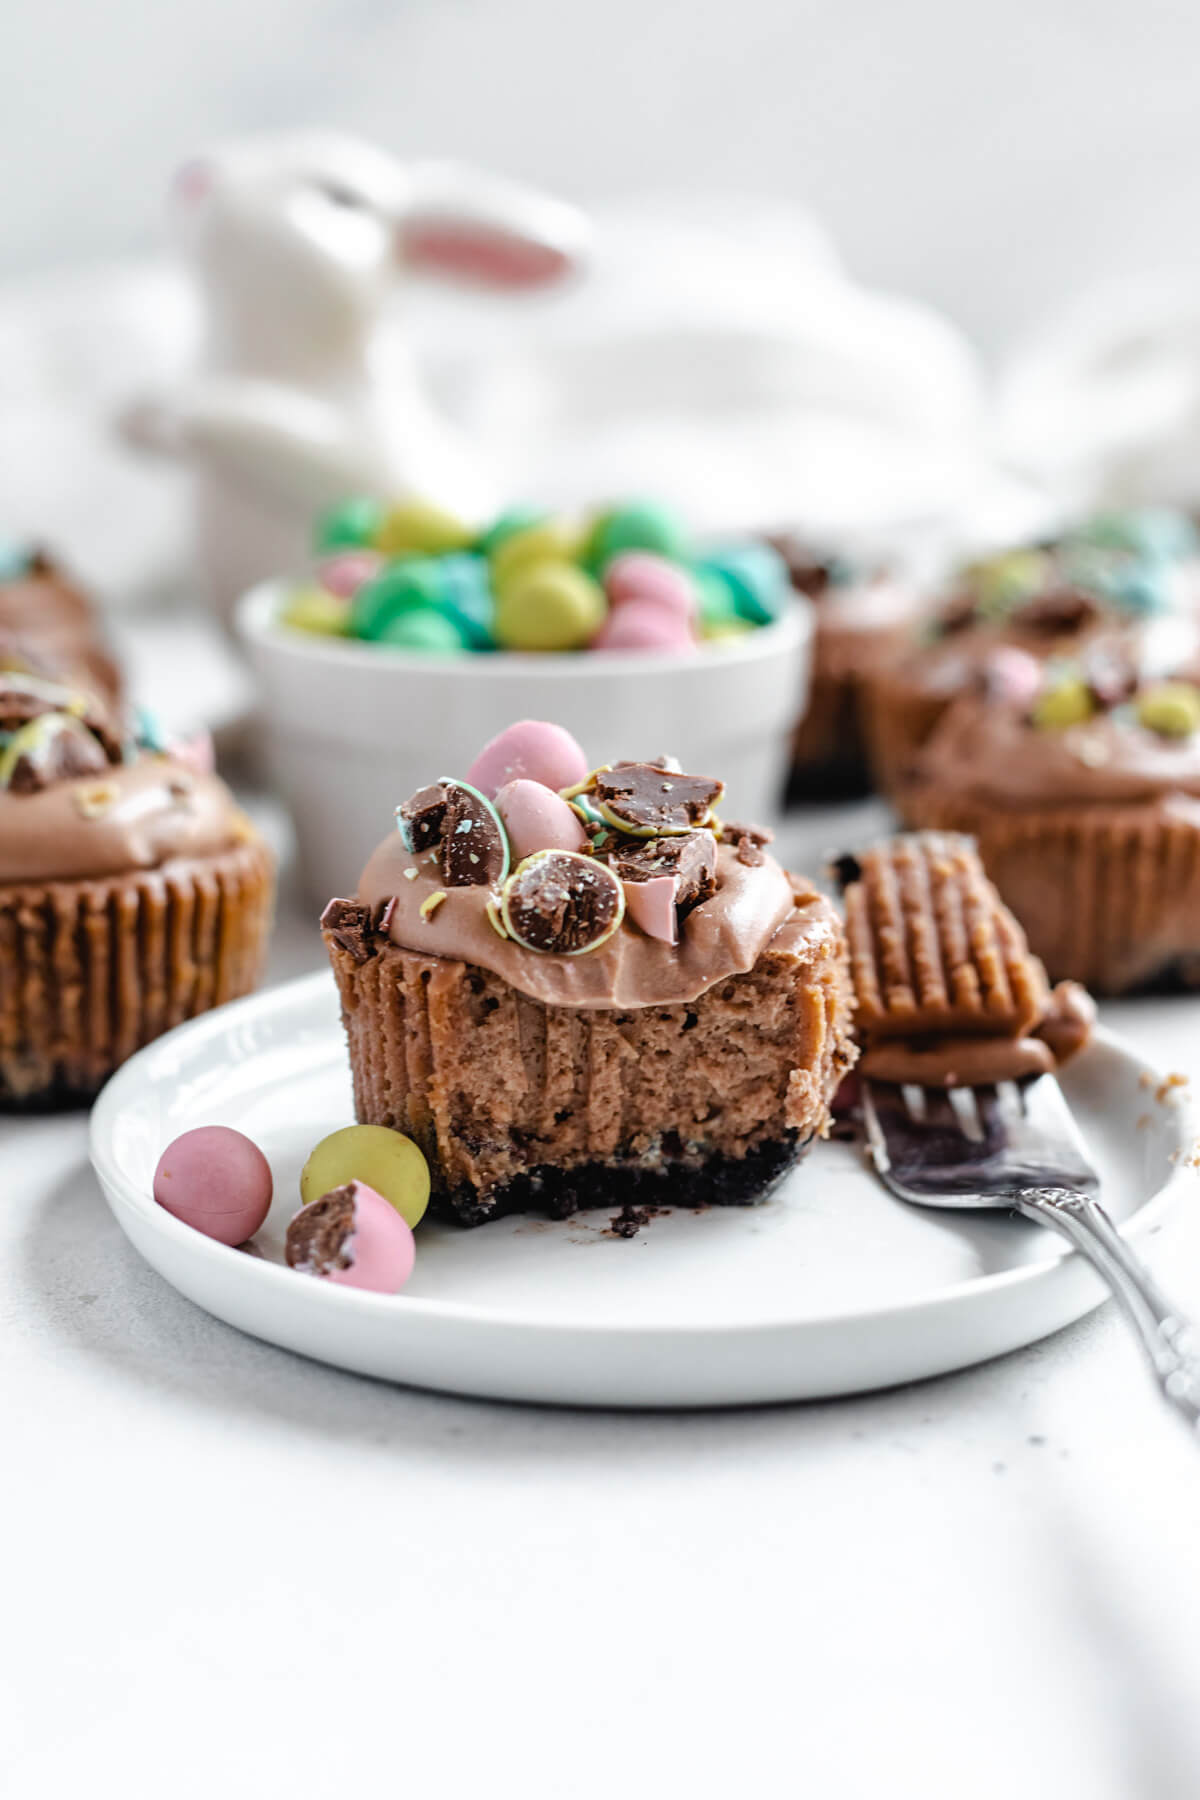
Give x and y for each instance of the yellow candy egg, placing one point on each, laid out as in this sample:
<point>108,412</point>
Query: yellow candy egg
<point>316,610</point>
<point>416,527</point>
<point>1171,708</point>
<point>1067,703</point>
<point>553,541</point>
<point>386,1160</point>
<point>551,606</point>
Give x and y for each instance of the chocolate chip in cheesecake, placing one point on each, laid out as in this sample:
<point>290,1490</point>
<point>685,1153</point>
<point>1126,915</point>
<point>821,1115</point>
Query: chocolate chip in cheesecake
<point>561,903</point>
<point>647,801</point>
<point>462,827</point>
<point>691,858</point>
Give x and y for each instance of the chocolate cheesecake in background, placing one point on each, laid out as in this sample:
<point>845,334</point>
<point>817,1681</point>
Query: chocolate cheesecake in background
<point>862,616</point>
<point>133,893</point>
<point>49,627</point>
<point>565,984</point>
<point>1083,794</point>
<point>1129,577</point>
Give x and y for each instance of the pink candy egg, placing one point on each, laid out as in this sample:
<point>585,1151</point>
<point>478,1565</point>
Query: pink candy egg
<point>353,1237</point>
<point>196,753</point>
<point>216,1180</point>
<point>536,818</point>
<point>639,576</point>
<point>530,750</point>
<point>637,625</point>
<point>1014,675</point>
<point>651,904</point>
<point>344,574</point>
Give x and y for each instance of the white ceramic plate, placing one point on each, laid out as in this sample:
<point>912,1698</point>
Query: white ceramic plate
<point>828,1287</point>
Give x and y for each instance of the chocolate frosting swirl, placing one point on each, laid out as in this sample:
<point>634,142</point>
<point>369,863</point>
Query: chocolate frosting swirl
<point>720,937</point>
<point>135,816</point>
<point>991,753</point>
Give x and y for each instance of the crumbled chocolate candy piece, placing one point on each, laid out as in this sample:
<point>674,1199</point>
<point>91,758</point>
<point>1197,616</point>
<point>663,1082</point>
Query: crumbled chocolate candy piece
<point>750,840</point>
<point>1111,680</point>
<point>845,870</point>
<point>808,571</point>
<point>562,903</point>
<point>24,698</point>
<point>648,801</point>
<point>463,827</point>
<point>421,818</point>
<point>348,923</point>
<point>691,859</point>
<point>1058,613</point>
<point>957,615</point>
<point>53,748</point>
<point>316,1237</point>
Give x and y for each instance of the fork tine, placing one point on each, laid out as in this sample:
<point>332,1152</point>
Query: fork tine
<point>966,1110</point>
<point>1010,1100</point>
<point>914,1101</point>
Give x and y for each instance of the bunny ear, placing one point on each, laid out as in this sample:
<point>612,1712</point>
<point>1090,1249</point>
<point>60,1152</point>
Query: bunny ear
<point>476,228</point>
<point>474,253</point>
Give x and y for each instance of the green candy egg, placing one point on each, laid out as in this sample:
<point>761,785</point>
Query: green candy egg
<point>416,527</point>
<point>640,526</point>
<point>757,578</point>
<point>1171,708</point>
<point>424,629</point>
<point>551,606</point>
<point>351,525</point>
<point>1154,531</point>
<point>553,541</point>
<point>403,586</point>
<point>516,518</point>
<point>386,1160</point>
<point>318,611</point>
<point>715,603</point>
<point>1067,703</point>
<point>467,597</point>
<point>1003,582</point>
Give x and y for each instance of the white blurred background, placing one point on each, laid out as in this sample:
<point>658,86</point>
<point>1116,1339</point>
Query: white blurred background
<point>992,159</point>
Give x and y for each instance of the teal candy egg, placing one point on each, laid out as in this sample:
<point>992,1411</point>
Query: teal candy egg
<point>1142,588</point>
<point>467,598</point>
<point>756,576</point>
<point>403,586</point>
<point>1149,531</point>
<point>15,561</point>
<point>715,603</point>
<point>424,629</point>
<point>352,524</point>
<point>516,518</point>
<point>642,526</point>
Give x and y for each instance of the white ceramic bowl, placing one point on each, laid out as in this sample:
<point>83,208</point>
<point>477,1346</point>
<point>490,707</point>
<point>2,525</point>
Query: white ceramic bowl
<point>351,730</point>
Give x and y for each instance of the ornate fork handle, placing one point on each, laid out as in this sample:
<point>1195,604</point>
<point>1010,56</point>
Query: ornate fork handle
<point>1169,1338</point>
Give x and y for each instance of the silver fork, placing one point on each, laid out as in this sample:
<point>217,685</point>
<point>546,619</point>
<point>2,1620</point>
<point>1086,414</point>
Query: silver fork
<point>1016,1147</point>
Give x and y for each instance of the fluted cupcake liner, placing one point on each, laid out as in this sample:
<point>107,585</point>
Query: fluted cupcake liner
<point>91,970</point>
<point>518,1104</point>
<point>1108,895</point>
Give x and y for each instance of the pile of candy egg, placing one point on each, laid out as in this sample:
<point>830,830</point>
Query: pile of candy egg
<point>412,577</point>
<point>363,1191</point>
<point>1058,695</point>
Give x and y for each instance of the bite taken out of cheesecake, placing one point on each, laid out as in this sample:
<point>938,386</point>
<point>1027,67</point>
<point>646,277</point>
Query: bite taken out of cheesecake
<point>576,987</point>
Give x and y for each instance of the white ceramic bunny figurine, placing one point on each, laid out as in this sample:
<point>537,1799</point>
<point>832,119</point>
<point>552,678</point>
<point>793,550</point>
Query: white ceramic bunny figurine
<point>297,241</point>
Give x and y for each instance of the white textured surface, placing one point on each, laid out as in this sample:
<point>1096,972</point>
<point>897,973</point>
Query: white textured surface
<point>232,1571</point>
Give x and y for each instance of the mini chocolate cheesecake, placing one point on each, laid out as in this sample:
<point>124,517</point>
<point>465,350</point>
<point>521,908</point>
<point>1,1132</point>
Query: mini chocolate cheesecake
<point>133,893</point>
<point>862,616</point>
<point>1084,799</point>
<point>602,993</point>
<point>1129,581</point>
